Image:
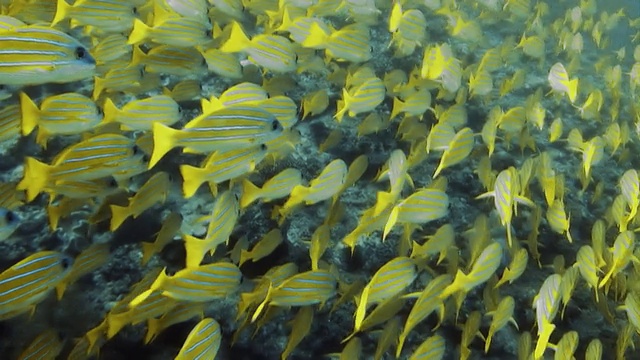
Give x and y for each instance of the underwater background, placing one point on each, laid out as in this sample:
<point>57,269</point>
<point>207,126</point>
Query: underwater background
<point>303,179</point>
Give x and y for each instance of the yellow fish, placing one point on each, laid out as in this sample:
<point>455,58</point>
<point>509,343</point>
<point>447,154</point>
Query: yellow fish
<point>203,342</point>
<point>34,55</point>
<point>155,190</point>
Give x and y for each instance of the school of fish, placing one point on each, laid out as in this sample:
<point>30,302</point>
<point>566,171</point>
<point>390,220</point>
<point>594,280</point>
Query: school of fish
<point>385,179</point>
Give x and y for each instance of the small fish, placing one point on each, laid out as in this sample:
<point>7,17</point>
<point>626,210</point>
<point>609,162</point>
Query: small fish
<point>323,187</point>
<point>558,220</point>
<point>203,342</point>
<point>273,52</point>
<point>170,60</point>
<point>457,150</point>
<point>300,327</point>
<point>170,227</point>
<point>179,314</point>
<point>559,80</point>
<point>440,242</point>
<point>34,55</point>
<point>269,242</point>
<point>222,220</point>
<point>426,303</point>
<point>546,304</point>
<point>185,90</point>
<point>303,289</point>
<point>363,98</point>
<point>143,113</point>
<point>63,114</point>
<point>277,187</point>
<point>221,166</point>
<point>515,269</point>
<point>92,258</point>
<point>107,15</point>
<point>168,29</point>
<point>155,190</point>
<point>315,103</point>
<point>419,208</point>
<point>502,315</point>
<point>28,282</point>
<point>350,43</point>
<point>390,280</point>
<point>432,348</point>
<point>198,284</point>
<point>621,255</point>
<point>483,268</point>
<point>125,79</point>
<point>47,345</point>
<point>225,129</point>
<point>222,63</point>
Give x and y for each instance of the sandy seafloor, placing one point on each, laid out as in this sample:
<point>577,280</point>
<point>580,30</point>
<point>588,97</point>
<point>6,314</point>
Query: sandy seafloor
<point>86,302</point>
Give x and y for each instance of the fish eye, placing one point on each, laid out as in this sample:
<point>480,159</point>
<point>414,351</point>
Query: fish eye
<point>10,216</point>
<point>135,149</point>
<point>208,33</point>
<point>134,11</point>
<point>263,147</point>
<point>113,183</point>
<point>65,263</point>
<point>146,158</point>
<point>81,52</point>
<point>275,125</point>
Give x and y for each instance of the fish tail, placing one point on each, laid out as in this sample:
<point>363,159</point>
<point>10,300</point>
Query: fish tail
<point>98,87</point>
<point>196,249</point>
<point>164,139</point>
<point>250,193</point>
<point>118,215</point>
<point>238,40</point>
<point>30,114</point>
<point>110,111</point>
<point>60,289</point>
<point>401,340</point>
<point>573,89</point>
<point>36,177</point>
<point>244,256</point>
<point>139,33</point>
<point>398,106</point>
<point>487,343</point>
<point>137,57</point>
<point>393,218</point>
<point>62,10</point>
<point>317,38</point>
<point>116,323</point>
<point>148,250</point>
<point>42,137</point>
<point>153,328</point>
<point>192,177</point>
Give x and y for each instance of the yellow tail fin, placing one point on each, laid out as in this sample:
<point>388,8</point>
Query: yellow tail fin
<point>139,33</point>
<point>118,215</point>
<point>250,193</point>
<point>238,40</point>
<point>164,139</point>
<point>192,178</point>
<point>62,10</point>
<point>196,249</point>
<point>36,177</point>
<point>30,114</point>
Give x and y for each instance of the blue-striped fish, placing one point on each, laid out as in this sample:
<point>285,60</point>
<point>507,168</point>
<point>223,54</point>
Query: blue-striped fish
<point>360,99</point>
<point>185,90</point>
<point>483,268</point>
<point>457,150</point>
<point>33,55</point>
<point>198,284</point>
<point>222,220</point>
<point>225,129</point>
<point>350,43</point>
<point>122,314</point>
<point>432,348</point>
<point>390,280</point>
<point>172,30</point>
<point>107,15</point>
<point>69,113</point>
<point>125,79</point>
<point>28,282</point>
<point>202,342</point>
<point>141,114</point>
<point>277,187</point>
<point>307,288</point>
<point>222,63</point>
<point>96,157</point>
<point>419,208</point>
<point>170,60</point>
<point>219,167</point>
<point>323,187</point>
<point>170,227</point>
<point>273,52</point>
